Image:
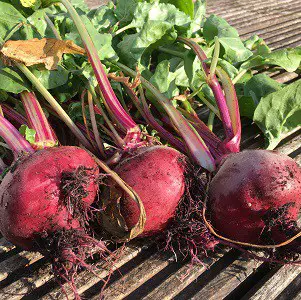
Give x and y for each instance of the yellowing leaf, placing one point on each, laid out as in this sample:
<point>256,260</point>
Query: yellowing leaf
<point>45,51</point>
<point>28,3</point>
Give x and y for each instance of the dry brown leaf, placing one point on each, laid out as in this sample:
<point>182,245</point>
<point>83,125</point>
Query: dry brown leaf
<point>45,51</point>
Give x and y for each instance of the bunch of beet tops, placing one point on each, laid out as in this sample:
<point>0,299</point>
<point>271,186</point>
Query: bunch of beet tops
<point>107,119</point>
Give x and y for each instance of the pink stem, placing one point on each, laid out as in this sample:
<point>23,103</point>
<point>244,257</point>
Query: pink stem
<point>124,119</point>
<point>98,140</point>
<point>13,138</point>
<point>13,116</point>
<point>215,87</point>
<point>147,115</point>
<point>233,144</point>
<point>45,136</point>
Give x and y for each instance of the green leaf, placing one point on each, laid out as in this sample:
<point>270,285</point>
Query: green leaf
<point>194,71</point>
<point>259,86</point>
<point>103,18</point>
<point>165,80</point>
<point>247,106</point>
<point>134,46</point>
<point>9,18</point>
<point>288,59</point>
<point>29,134</point>
<point>51,79</point>
<point>11,81</point>
<point>228,68</point>
<point>186,6</point>
<point>156,24</point>
<point>102,41</point>
<point>125,10</point>
<point>279,113</point>
<point>257,44</point>
<point>39,24</point>
<point>234,49</point>
<point>199,16</point>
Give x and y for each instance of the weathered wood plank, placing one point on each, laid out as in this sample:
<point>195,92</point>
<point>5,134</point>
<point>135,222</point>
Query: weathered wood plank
<point>176,282</point>
<point>252,9</point>
<point>5,246</point>
<point>233,6</point>
<point>27,284</point>
<point>255,26</point>
<point>290,146</point>
<point>276,284</point>
<point>18,261</point>
<point>135,278</point>
<point>264,32</point>
<point>86,279</point>
<point>271,35</point>
<point>283,42</point>
<point>226,281</point>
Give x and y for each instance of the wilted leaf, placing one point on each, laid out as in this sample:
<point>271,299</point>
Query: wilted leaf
<point>45,51</point>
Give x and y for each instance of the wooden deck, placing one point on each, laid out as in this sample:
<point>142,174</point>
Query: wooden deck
<point>145,274</point>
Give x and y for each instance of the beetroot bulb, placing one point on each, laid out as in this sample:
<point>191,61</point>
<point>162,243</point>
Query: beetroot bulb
<point>255,197</point>
<point>46,196</point>
<point>47,191</point>
<point>156,174</point>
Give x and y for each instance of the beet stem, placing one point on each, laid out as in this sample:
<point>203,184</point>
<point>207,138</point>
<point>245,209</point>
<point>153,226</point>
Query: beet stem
<point>54,104</point>
<point>110,98</point>
<point>13,138</point>
<point>45,137</point>
<point>214,85</point>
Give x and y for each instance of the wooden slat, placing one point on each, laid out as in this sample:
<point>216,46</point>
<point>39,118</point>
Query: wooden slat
<point>276,284</point>
<point>297,297</point>
<point>257,25</point>
<point>270,36</point>
<point>249,11</point>
<point>5,246</point>
<point>27,284</point>
<point>227,280</point>
<point>261,10</point>
<point>175,283</point>
<point>18,261</point>
<point>284,42</point>
<point>264,32</point>
<point>86,279</point>
<point>135,278</point>
<point>223,7</point>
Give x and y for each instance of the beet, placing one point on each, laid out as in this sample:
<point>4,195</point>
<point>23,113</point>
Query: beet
<point>32,196</point>
<point>255,197</point>
<point>45,206</point>
<point>157,175</point>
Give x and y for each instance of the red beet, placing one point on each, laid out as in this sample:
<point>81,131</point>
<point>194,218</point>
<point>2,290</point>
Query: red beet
<point>157,175</point>
<point>33,199</point>
<point>255,197</point>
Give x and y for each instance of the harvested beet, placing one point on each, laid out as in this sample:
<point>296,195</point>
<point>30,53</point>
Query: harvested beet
<point>255,197</point>
<point>34,197</point>
<point>45,203</point>
<point>157,175</point>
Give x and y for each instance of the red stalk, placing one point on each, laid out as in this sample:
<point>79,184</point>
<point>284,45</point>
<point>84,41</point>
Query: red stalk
<point>147,115</point>
<point>110,98</point>
<point>194,143</point>
<point>13,116</point>
<point>234,144</point>
<point>98,140</point>
<point>45,137</point>
<point>215,87</point>
<point>13,138</point>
